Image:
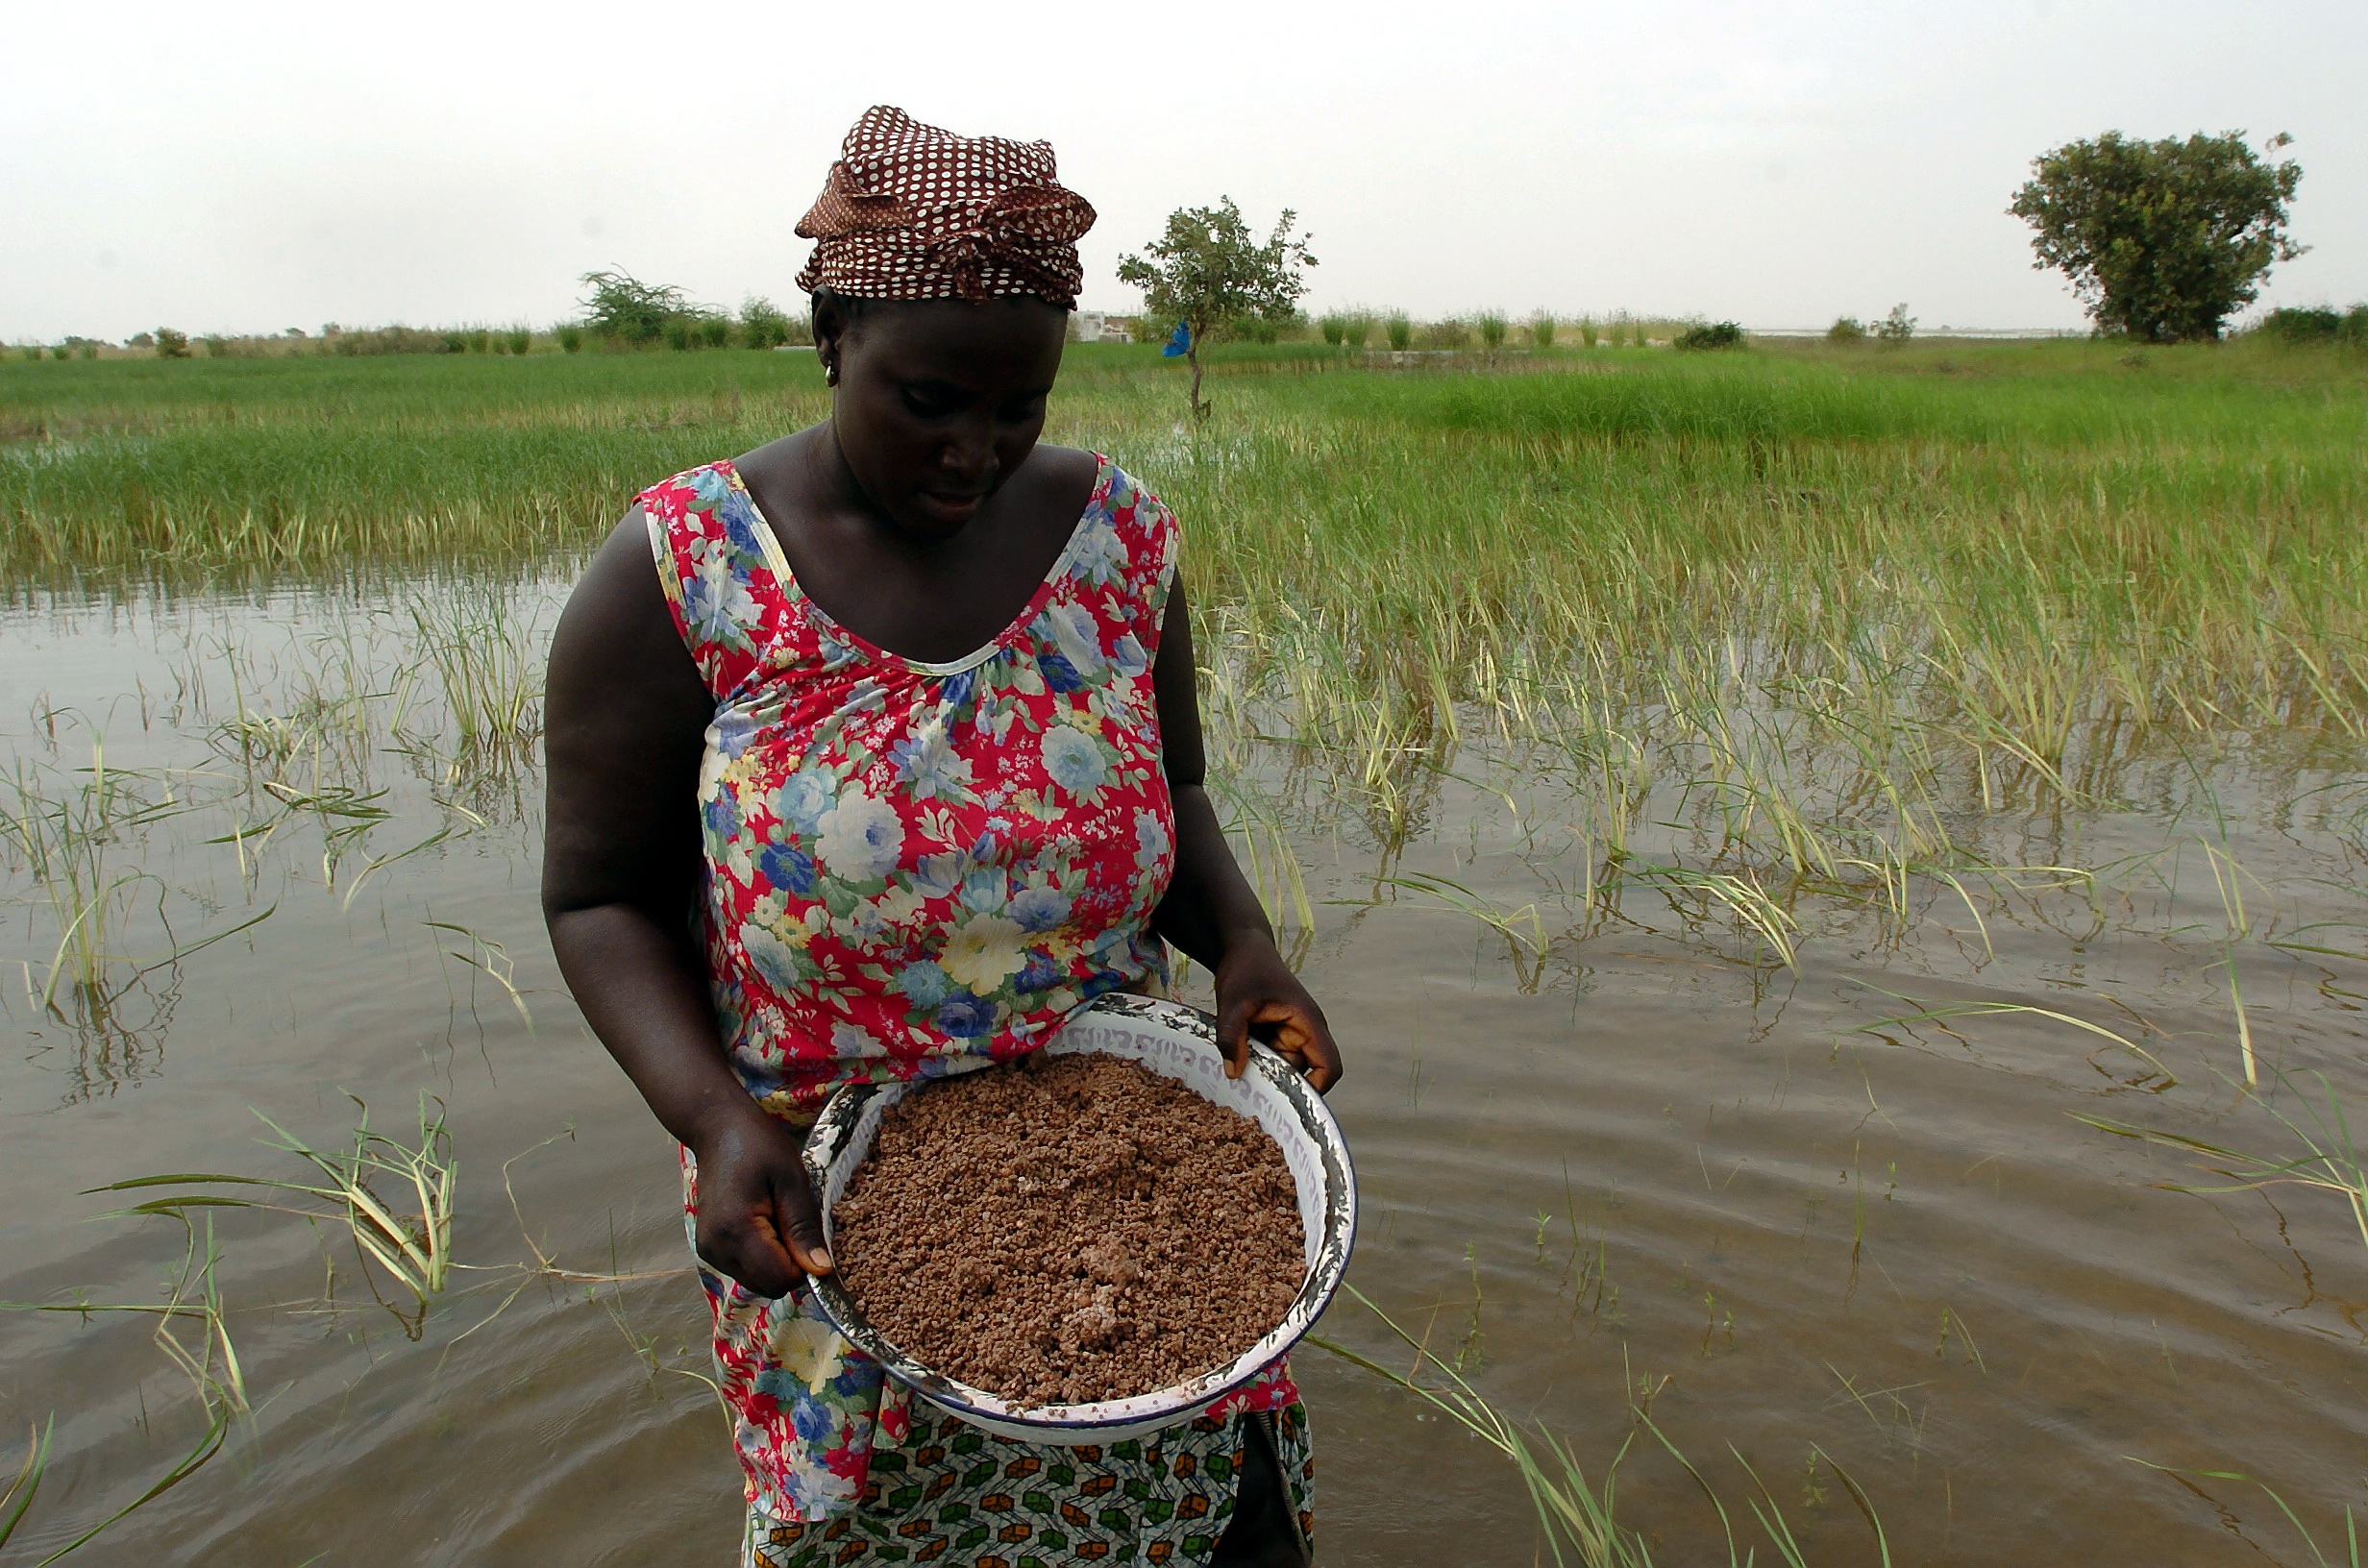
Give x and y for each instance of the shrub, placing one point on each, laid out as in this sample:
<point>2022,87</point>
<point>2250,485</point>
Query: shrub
<point>63,351</point>
<point>762,323</point>
<point>2307,324</point>
<point>1493,329</point>
<point>90,351</point>
<point>677,331</point>
<point>1401,331</point>
<point>1896,328</point>
<point>1449,334</point>
<point>714,331</point>
<point>1846,329</point>
<point>1587,330</point>
<point>520,340</point>
<point>622,306</point>
<point>1356,329</point>
<point>2356,325</point>
<point>571,340</point>
<point>1542,330</point>
<point>1335,329</point>
<point>481,340</point>
<point>1715,334</point>
<point>31,351</point>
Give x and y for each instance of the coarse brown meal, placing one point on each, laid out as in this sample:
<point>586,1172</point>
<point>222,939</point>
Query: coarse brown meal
<point>1069,1229</point>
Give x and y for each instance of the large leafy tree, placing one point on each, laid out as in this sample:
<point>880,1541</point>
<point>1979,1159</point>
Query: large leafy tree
<point>2162,240</point>
<point>1207,270</point>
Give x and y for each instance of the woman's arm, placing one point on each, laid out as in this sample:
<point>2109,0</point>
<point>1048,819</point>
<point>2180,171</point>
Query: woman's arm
<point>626,719</point>
<point>1210,910</point>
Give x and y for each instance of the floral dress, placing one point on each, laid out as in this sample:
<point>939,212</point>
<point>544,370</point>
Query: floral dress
<point>916,870</point>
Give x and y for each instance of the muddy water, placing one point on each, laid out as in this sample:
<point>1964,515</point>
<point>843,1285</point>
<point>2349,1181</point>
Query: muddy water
<point>1631,1164</point>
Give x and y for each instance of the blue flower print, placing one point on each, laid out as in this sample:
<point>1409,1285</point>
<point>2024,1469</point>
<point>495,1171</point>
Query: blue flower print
<point>957,691</point>
<point>739,518</point>
<point>1059,673</point>
<point>803,799</point>
<point>723,816</point>
<point>786,865</point>
<point>1040,909</point>
<point>1041,973</point>
<point>966,1017</point>
<point>925,983</point>
<point>730,732</point>
<point>1127,656</point>
<point>985,889</point>
<point>811,1418</point>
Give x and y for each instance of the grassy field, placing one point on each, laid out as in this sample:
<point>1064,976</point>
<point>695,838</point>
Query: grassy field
<point>2005,565</point>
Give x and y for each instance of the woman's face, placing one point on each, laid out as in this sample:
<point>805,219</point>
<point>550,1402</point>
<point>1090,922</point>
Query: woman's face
<point>940,401</point>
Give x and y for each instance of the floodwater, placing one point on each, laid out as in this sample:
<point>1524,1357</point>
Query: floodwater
<point>1629,1164</point>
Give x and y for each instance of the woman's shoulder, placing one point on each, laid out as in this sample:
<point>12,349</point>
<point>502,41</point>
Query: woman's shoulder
<point>1104,486</point>
<point>698,489</point>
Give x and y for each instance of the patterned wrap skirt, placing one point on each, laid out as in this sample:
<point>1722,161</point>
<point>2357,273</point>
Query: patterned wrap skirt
<point>955,1496</point>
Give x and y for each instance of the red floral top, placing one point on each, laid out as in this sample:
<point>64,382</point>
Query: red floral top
<point>920,868</point>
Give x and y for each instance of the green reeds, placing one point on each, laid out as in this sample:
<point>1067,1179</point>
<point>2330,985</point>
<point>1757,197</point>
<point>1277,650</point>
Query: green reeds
<point>410,1239</point>
<point>210,1363</point>
<point>1578,1518</point>
<point>2322,1156</point>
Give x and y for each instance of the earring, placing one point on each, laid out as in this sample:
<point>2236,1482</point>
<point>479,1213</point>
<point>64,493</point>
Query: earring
<point>830,373</point>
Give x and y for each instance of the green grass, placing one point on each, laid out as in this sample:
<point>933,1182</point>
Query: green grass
<point>1865,593</point>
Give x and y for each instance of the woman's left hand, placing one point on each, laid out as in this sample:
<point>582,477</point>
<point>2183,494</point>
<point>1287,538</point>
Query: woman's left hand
<point>1258,995</point>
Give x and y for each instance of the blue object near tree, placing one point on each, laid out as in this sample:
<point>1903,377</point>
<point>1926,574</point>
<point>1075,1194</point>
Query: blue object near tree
<point>1179,341</point>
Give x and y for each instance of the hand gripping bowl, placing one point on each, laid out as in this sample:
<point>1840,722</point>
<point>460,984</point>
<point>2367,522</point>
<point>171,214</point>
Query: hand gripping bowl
<point>1178,1043</point>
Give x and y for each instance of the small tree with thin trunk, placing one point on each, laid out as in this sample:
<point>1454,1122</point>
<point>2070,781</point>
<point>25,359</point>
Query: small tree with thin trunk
<point>1207,269</point>
<point>2162,240</point>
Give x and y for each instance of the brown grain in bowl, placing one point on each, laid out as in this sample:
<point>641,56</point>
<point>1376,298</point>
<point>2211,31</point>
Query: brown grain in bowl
<point>1069,1229</point>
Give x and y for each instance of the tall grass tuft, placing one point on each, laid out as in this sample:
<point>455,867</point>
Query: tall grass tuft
<point>1399,329</point>
<point>1578,1519</point>
<point>1542,329</point>
<point>412,1246</point>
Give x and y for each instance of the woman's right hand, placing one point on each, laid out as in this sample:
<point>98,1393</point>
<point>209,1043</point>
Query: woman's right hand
<point>757,1218</point>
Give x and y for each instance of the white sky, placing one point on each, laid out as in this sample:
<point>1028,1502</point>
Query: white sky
<point>247,168</point>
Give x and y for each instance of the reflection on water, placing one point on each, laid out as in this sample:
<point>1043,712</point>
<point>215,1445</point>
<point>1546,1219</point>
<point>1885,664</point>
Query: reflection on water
<point>1796,1174</point>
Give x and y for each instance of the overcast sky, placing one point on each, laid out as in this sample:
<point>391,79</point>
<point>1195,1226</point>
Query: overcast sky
<point>244,167</point>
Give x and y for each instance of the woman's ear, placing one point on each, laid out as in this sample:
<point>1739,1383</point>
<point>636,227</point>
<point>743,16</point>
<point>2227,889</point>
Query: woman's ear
<point>830,329</point>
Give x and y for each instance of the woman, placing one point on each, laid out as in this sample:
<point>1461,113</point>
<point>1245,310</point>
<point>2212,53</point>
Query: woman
<point>891,762</point>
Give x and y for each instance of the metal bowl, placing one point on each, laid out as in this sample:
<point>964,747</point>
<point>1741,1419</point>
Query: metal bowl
<point>1178,1043</point>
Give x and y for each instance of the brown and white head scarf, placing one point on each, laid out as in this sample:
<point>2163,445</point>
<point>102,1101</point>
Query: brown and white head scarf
<point>913,212</point>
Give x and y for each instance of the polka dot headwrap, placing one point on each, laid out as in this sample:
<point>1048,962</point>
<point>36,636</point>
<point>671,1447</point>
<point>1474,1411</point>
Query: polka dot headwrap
<point>913,212</point>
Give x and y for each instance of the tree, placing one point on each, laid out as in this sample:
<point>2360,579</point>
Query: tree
<point>621,305</point>
<point>2162,240</point>
<point>1206,270</point>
